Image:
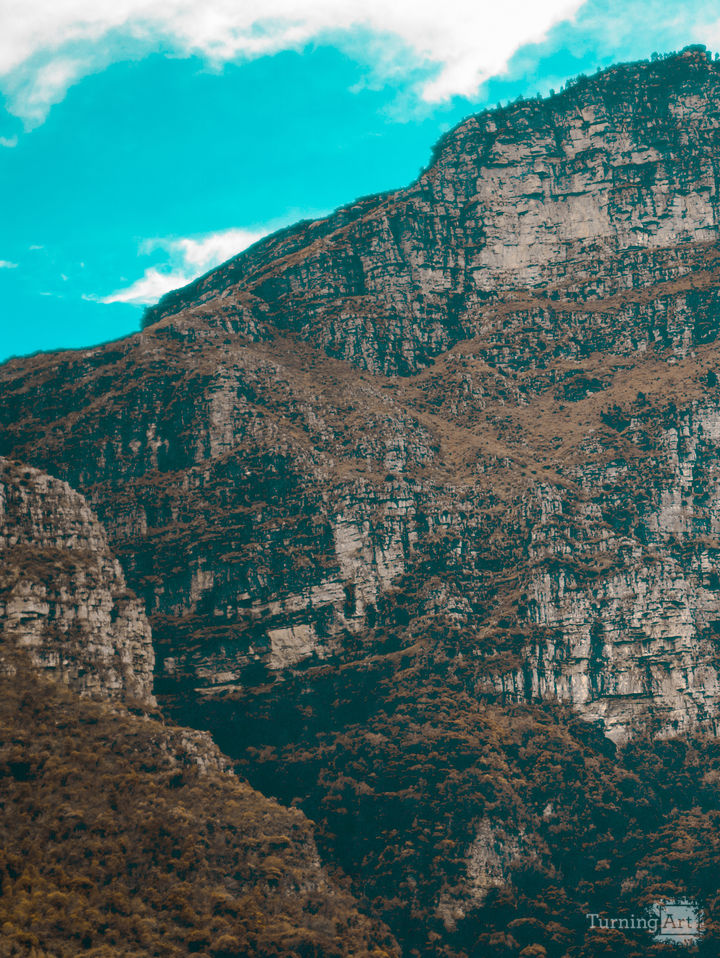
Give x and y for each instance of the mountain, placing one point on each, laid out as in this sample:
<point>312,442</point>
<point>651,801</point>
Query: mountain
<point>422,502</point>
<point>122,834</point>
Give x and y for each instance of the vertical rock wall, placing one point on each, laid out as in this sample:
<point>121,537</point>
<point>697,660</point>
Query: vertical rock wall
<point>63,597</point>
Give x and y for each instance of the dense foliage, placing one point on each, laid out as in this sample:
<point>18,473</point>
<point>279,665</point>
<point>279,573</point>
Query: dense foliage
<point>406,772</point>
<point>115,841</point>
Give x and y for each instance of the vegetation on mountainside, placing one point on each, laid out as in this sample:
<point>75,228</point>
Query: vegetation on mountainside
<point>402,768</point>
<point>114,842</point>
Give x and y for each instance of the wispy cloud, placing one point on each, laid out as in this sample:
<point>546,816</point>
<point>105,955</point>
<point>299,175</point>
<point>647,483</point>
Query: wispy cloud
<point>32,92</point>
<point>8,141</point>
<point>46,47</point>
<point>207,251</point>
<point>149,288</point>
<point>6,264</point>
<point>185,259</point>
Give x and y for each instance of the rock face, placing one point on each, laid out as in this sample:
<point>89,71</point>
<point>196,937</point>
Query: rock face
<point>459,441</point>
<point>265,501</point>
<point>623,589</point>
<point>490,856</point>
<point>63,597</point>
<point>579,193</point>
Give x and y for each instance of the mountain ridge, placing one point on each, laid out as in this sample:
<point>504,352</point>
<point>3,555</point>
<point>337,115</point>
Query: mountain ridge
<point>481,146</point>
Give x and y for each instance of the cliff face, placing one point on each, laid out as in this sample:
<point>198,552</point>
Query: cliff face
<point>595,193</point>
<point>272,510</point>
<point>63,596</point>
<point>623,591</point>
<point>457,443</point>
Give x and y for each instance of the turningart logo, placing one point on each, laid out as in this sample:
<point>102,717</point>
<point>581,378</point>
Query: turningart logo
<point>679,921</point>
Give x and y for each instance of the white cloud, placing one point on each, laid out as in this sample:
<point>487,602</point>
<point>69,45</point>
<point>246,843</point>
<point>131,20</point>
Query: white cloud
<point>204,253</point>
<point>149,288</point>
<point>187,259</point>
<point>8,141</point>
<point>6,264</point>
<point>709,33</point>
<point>44,47</point>
<point>33,93</point>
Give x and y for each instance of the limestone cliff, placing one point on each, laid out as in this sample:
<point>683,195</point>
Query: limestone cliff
<point>63,597</point>
<point>588,195</point>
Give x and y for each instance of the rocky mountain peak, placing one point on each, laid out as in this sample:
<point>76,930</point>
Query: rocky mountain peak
<point>557,200</point>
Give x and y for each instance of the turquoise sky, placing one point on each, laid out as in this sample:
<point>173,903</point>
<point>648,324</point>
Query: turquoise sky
<point>134,155</point>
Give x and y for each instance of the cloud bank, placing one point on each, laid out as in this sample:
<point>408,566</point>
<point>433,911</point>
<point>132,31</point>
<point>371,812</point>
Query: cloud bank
<point>45,47</point>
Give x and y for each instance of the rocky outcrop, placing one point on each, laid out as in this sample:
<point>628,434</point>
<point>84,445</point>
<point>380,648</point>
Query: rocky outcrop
<point>490,858</point>
<point>63,597</point>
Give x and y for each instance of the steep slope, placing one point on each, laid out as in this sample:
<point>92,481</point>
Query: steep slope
<point>63,596</point>
<point>581,196</point>
<point>421,472</point>
<point>121,834</point>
